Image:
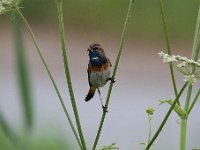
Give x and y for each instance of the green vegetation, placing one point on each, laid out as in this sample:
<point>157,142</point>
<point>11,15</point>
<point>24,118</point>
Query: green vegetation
<point>47,142</point>
<point>109,15</point>
<point>191,76</point>
<point>22,73</point>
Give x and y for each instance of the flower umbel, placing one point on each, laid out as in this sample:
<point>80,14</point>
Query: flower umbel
<point>188,67</point>
<point>166,57</point>
<point>150,110</point>
<point>191,79</point>
<point>8,5</point>
<point>1,8</point>
<point>7,2</point>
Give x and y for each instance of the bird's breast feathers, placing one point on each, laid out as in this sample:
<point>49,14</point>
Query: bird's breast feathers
<point>99,75</point>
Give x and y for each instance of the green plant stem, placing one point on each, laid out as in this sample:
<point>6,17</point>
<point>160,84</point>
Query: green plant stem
<point>194,101</point>
<point>196,43</point>
<point>168,47</point>
<point>67,72</point>
<point>187,102</point>
<point>165,27</point>
<point>183,133</point>
<point>188,108</point>
<point>114,72</point>
<point>50,76</point>
<point>195,53</point>
<point>166,117</point>
<point>149,136</point>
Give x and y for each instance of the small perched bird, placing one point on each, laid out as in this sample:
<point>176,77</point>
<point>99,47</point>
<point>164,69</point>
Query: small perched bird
<point>99,70</point>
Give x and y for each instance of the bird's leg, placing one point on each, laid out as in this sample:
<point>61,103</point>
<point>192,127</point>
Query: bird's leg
<point>111,79</point>
<point>103,107</point>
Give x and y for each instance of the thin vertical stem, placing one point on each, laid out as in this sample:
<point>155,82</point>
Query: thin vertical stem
<point>168,47</point>
<point>194,101</point>
<point>67,72</point>
<point>195,53</point>
<point>183,133</point>
<point>149,136</point>
<point>165,27</point>
<point>166,118</point>
<point>196,43</point>
<point>50,76</point>
<point>114,72</point>
<point>187,102</point>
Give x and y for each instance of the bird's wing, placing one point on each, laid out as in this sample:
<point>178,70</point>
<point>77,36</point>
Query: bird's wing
<point>89,71</point>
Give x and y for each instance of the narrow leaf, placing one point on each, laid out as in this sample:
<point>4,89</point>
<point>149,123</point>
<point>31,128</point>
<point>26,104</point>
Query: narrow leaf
<point>22,73</point>
<point>181,112</point>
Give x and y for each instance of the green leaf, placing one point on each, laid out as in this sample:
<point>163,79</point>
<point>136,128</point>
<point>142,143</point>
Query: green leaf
<point>181,112</point>
<point>110,147</point>
<point>22,73</point>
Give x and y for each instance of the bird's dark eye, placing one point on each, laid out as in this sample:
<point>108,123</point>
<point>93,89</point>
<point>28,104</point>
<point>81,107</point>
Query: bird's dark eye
<point>95,48</point>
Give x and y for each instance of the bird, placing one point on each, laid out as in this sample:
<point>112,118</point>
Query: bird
<point>99,70</point>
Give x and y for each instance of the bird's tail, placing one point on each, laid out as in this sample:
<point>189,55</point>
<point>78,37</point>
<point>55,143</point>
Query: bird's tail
<point>90,94</point>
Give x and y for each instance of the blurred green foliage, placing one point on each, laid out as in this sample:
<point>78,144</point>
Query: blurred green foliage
<point>23,73</point>
<point>47,142</point>
<point>109,15</point>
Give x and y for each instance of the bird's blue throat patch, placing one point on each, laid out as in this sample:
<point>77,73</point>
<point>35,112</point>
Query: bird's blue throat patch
<point>96,59</point>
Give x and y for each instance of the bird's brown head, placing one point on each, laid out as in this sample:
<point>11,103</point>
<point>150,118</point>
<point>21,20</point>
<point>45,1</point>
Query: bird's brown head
<point>95,51</point>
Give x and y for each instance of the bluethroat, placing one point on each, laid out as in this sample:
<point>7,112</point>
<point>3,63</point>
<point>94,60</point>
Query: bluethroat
<point>99,70</point>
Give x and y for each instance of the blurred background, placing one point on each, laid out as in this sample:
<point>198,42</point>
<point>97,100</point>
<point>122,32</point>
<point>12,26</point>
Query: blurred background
<point>142,78</point>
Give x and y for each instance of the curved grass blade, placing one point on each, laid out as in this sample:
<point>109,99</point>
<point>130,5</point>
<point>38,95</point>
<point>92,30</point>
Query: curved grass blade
<point>67,72</point>
<point>22,73</point>
<point>50,75</point>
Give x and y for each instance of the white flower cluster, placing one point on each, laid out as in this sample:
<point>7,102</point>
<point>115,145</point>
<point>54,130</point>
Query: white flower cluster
<point>7,2</point>
<point>191,79</point>
<point>173,58</point>
<point>189,67</point>
<point>4,4</point>
<point>1,8</point>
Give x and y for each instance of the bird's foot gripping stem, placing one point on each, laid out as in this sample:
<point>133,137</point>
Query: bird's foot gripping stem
<point>105,109</point>
<point>111,79</point>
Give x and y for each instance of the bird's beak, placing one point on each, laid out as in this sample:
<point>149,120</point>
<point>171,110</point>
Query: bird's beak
<point>89,50</point>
